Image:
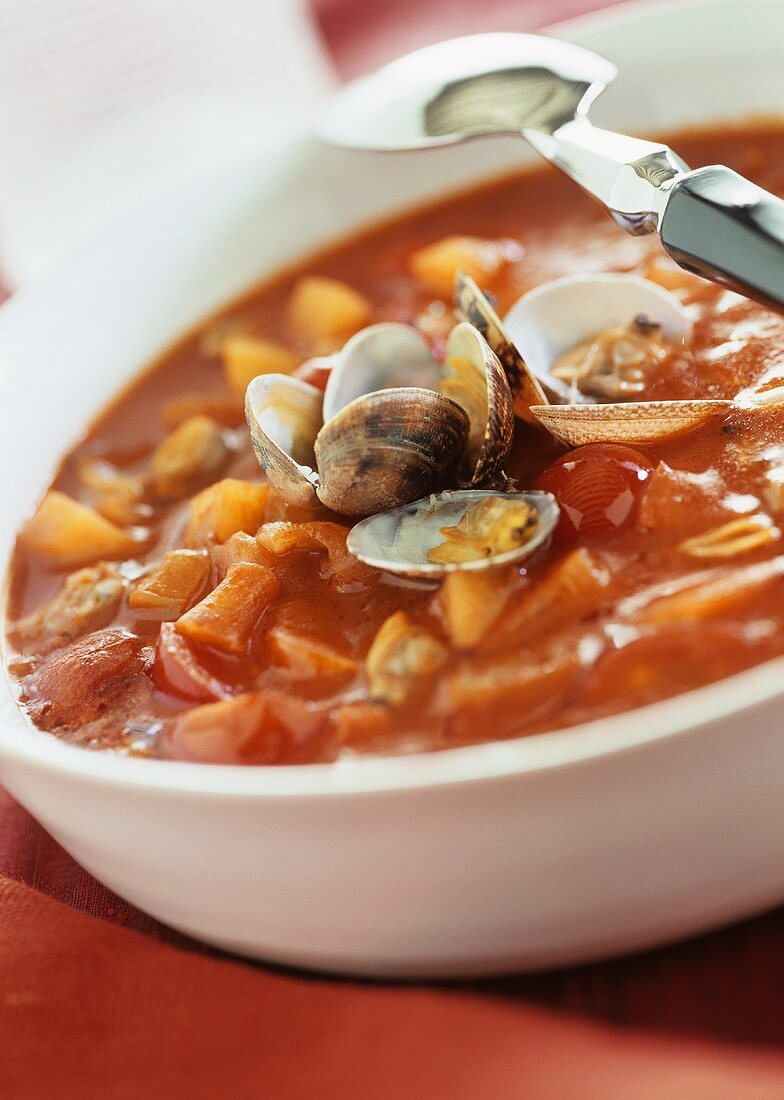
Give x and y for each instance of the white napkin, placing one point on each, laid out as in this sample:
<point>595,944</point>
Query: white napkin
<point>103,99</point>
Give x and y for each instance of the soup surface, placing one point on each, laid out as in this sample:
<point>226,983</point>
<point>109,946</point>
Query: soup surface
<point>165,600</point>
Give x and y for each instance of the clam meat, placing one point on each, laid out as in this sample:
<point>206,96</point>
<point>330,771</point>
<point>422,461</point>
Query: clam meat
<point>596,337</point>
<point>458,529</point>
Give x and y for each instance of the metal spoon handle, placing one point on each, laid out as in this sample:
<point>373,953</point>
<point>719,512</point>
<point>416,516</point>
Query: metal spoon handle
<point>724,228</point>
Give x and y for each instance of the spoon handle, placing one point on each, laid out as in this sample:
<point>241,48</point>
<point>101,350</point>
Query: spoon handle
<point>724,228</point>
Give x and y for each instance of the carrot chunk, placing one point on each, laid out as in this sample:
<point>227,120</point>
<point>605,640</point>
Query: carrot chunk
<point>227,618</point>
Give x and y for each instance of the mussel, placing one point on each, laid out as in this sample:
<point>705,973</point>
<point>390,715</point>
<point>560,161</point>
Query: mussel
<point>456,530</point>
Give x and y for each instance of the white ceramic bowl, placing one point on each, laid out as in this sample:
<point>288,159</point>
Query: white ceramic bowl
<point>562,847</point>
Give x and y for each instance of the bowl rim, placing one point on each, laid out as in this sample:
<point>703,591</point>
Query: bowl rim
<point>668,720</point>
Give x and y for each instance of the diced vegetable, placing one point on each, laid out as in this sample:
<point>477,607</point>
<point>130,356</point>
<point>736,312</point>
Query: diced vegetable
<point>241,547</point>
<point>194,453</point>
<point>307,655</point>
<point>470,602</point>
<point>223,509</point>
<point>178,671</point>
<point>401,654</point>
<point>174,583</point>
<point>227,618</point>
<point>527,681</point>
<point>66,533</point>
<point>117,496</point>
<point>245,357</point>
<point>357,723</point>
<point>709,595</point>
<point>78,684</point>
<point>319,535</point>
<point>225,409</point>
<point>88,601</point>
<point>437,264</point>
<point>574,589</point>
<point>326,311</point>
<point>739,536</point>
<point>255,728</point>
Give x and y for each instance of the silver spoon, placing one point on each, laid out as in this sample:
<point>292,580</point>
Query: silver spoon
<point>711,221</point>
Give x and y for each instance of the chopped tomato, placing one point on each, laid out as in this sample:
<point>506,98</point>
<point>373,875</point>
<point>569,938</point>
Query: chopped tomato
<point>315,372</point>
<point>255,728</point>
<point>178,671</point>
<point>598,488</point>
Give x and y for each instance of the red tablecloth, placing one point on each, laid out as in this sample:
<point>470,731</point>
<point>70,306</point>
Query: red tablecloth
<point>87,1008</point>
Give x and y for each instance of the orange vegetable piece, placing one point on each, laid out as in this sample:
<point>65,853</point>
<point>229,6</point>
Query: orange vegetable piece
<point>227,618</point>
<point>67,534</point>
<point>324,311</point>
<point>245,357</point>
<point>306,655</point>
<point>178,671</point>
<point>226,409</point>
<point>224,508</point>
<point>174,583</point>
<point>254,728</point>
<point>437,264</point>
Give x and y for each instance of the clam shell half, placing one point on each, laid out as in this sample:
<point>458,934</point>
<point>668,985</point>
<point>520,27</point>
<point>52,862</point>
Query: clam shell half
<point>628,422</point>
<point>559,315</point>
<point>284,416</point>
<point>379,357</point>
<point>473,306</point>
<point>398,541</point>
<point>388,448</point>
<point>476,381</point>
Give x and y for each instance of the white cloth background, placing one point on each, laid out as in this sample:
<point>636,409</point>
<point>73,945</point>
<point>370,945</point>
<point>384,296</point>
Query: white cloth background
<point>102,99</point>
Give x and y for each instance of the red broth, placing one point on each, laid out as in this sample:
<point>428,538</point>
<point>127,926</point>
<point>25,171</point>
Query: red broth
<point>625,607</point>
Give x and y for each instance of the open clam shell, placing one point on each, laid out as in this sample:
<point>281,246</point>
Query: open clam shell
<point>383,356</point>
<point>400,541</point>
<point>557,316</point>
<point>476,380</point>
<point>627,422</point>
<point>284,417</point>
<point>388,448</point>
<point>473,306</point>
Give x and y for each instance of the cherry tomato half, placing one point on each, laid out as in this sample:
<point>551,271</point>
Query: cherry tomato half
<point>598,488</point>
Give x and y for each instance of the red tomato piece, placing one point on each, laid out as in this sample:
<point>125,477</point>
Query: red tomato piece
<point>315,372</point>
<point>598,488</point>
<point>177,671</point>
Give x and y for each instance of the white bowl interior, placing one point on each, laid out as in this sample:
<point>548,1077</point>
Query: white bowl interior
<point>69,342</point>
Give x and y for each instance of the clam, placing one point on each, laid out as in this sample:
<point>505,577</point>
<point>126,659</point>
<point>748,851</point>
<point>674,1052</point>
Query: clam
<point>626,422</point>
<point>603,323</point>
<point>460,529</point>
<point>379,357</point>
<point>475,380</point>
<point>473,306</point>
<point>386,448</point>
<point>284,416</point>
